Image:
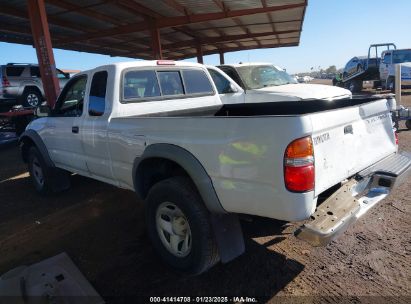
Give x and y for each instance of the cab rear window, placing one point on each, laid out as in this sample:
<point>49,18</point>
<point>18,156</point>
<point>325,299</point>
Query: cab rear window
<point>140,84</point>
<point>145,85</point>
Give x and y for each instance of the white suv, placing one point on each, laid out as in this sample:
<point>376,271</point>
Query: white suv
<point>21,84</point>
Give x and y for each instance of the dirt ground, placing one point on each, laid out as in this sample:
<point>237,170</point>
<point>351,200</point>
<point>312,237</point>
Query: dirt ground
<point>102,230</point>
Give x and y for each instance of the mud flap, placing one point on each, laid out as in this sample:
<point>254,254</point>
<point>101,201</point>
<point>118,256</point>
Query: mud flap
<point>228,235</point>
<point>60,179</point>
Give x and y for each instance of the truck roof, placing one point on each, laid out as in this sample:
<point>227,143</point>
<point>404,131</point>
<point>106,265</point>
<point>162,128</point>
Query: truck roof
<point>148,63</point>
<point>236,65</point>
<point>397,50</point>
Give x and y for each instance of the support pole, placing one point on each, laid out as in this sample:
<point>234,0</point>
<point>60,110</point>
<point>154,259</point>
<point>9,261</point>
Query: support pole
<point>222,57</point>
<point>44,50</point>
<point>156,42</point>
<point>199,54</point>
<point>397,83</point>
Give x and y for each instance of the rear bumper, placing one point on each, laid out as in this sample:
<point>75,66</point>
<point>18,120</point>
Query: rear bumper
<point>355,198</point>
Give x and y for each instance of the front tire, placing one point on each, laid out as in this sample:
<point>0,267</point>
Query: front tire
<point>179,226</point>
<point>39,172</point>
<point>31,98</point>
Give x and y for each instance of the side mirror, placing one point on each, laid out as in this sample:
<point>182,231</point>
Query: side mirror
<point>230,89</point>
<point>233,88</point>
<point>43,111</point>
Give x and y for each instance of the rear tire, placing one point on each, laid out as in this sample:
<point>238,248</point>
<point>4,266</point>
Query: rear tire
<point>175,211</point>
<point>31,98</point>
<point>355,86</point>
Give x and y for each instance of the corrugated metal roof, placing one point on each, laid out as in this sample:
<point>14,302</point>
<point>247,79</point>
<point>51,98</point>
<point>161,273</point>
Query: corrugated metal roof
<point>122,27</point>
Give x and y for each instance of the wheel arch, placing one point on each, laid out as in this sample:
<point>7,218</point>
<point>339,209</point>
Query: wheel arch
<point>32,87</point>
<point>161,161</point>
<point>31,138</point>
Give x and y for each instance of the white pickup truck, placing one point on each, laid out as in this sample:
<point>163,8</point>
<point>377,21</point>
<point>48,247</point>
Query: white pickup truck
<point>264,82</point>
<point>160,129</point>
<point>391,58</point>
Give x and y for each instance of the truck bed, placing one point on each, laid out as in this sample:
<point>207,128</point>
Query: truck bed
<point>287,108</point>
<point>242,147</point>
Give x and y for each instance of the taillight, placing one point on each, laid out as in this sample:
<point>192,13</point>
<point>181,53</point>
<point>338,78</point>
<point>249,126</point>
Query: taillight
<point>396,137</point>
<point>5,82</point>
<point>299,175</point>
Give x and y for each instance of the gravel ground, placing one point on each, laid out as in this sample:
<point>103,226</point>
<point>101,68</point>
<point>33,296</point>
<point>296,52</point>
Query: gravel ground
<point>102,230</point>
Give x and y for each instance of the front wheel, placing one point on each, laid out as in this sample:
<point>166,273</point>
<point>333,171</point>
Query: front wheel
<point>179,226</point>
<point>39,172</point>
<point>31,98</point>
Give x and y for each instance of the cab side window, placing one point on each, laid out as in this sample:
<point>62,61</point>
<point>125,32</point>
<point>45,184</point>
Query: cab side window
<point>387,58</point>
<point>222,83</point>
<point>97,98</point>
<point>70,102</point>
<point>233,74</point>
<point>35,72</point>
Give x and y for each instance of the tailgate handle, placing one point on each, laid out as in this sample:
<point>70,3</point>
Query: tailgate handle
<point>348,129</point>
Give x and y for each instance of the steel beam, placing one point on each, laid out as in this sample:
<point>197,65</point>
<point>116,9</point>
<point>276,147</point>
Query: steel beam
<point>221,53</point>
<point>44,50</point>
<point>181,20</point>
<point>213,40</point>
<point>199,54</point>
<point>155,42</point>
<point>235,49</point>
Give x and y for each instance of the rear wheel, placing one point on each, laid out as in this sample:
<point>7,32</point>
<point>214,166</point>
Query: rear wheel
<point>179,226</point>
<point>355,86</point>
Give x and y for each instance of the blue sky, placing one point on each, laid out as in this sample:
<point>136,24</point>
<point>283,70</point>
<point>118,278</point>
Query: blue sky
<point>333,32</point>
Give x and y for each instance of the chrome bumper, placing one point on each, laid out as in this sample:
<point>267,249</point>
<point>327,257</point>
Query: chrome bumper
<point>354,199</point>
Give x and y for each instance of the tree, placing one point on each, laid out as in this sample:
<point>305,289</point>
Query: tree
<point>331,69</point>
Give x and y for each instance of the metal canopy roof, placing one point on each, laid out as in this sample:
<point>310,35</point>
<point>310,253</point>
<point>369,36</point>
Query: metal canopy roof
<point>125,27</point>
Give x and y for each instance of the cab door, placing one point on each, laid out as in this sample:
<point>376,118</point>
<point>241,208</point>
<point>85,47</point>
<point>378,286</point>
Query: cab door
<point>94,128</point>
<point>63,133</point>
<point>385,65</point>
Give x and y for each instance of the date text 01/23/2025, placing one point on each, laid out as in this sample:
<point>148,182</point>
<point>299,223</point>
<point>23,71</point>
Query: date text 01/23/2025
<point>203,300</point>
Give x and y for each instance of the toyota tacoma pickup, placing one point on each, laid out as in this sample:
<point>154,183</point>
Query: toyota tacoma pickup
<point>159,128</point>
<point>264,82</point>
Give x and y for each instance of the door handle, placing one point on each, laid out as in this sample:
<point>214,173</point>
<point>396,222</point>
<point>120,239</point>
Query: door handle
<point>74,129</point>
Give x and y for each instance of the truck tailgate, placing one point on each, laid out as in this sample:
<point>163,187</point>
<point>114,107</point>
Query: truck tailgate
<point>349,140</point>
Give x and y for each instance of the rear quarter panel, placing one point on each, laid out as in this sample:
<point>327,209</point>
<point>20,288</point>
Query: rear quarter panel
<point>243,157</point>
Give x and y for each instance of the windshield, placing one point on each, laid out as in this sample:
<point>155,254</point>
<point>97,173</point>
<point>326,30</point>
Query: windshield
<point>401,56</point>
<point>261,76</point>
